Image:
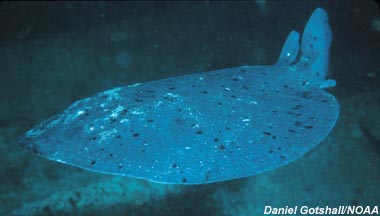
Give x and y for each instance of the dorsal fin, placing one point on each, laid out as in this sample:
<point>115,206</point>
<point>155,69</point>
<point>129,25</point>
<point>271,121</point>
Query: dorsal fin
<point>290,49</point>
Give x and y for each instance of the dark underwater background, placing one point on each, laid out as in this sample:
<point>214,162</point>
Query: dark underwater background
<point>54,53</point>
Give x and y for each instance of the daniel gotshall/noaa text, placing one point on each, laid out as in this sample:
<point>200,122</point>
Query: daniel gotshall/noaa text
<point>306,210</point>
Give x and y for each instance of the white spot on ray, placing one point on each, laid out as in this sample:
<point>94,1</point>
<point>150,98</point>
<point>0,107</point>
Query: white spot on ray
<point>115,113</point>
<point>124,121</point>
<point>134,85</point>
<point>137,112</point>
<point>105,135</point>
<point>170,95</point>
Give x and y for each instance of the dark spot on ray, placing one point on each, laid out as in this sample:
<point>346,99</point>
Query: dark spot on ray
<point>204,92</point>
<point>220,104</point>
<point>150,120</point>
<point>216,140</point>
<point>193,86</point>
<point>311,118</point>
<point>184,180</point>
<point>135,134</point>
<point>118,136</point>
<point>297,123</point>
<point>274,111</point>
<point>124,111</point>
<point>104,96</point>
<point>207,175</point>
<point>285,86</point>
<point>274,137</point>
<point>138,100</point>
<point>119,166</point>
<point>297,107</point>
<point>93,162</point>
<point>270,151</point>
<point>290,113</point>
<point>179,110</point>
<point>298,114</point>
<point>228,128</point>
<point>308,127</point>
<point>179,120</point>
<point>199,132</point>
<point>266,133</point>
<point>181,171</point>
<point>111,154</point>
<point>283,157</point>
<point>94,138</point>
<point>102,149</point>
<point>174,165</point>
<point>306,94</point>
<point>279,148</point>
<point>245,87</point>
<point>291,130</point>
<point>243,70</point>
<point>325,101</point>
<point>222,147</point>
<point>233,96</point>
<point>112,120</point>
<point>172,88</point>
<point>263,73</point>
<point>170,99</point>
<point>143,150</point>
<point>235,79</point>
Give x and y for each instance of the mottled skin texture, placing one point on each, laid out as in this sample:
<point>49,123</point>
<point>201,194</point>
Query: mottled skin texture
<point>199,128</point>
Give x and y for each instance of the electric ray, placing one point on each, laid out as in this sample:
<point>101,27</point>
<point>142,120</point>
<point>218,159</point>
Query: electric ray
<point>204,127</point>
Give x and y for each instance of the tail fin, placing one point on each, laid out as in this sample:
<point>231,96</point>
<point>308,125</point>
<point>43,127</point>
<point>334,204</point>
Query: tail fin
<point>315,48</point>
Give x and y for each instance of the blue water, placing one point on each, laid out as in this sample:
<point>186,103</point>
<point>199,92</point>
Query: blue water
<point>53,54</point>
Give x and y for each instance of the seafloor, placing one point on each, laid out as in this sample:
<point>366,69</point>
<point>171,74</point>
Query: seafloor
<point>52,54</point>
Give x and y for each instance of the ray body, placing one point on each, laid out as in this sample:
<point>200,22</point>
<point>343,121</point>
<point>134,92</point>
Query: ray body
<point>205,127</point>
